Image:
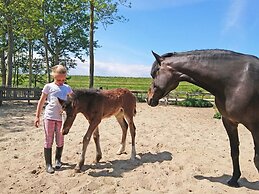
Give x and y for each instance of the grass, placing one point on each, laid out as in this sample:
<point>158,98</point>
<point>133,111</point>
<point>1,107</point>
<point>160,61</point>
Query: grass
<point>132,83</point>
<point>138,84</point>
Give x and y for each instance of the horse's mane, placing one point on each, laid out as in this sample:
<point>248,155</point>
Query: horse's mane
<point>208,53</point>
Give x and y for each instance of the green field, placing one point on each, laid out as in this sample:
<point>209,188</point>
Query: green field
<point>138,84</point>
<point>132,83</point>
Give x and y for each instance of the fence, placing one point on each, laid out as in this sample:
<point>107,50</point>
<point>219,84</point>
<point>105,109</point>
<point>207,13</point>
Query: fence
<point>8,93</point>
<point>175,96</point>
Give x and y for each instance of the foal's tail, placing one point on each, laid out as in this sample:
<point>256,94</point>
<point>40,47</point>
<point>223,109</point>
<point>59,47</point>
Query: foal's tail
<point>135,111</point>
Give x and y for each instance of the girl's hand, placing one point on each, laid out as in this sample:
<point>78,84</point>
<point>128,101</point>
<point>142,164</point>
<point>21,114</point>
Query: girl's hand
<point>37,122</point>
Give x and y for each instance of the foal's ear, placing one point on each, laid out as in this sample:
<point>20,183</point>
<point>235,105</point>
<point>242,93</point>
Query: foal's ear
<point>62,102</point>
<point>159,59</point>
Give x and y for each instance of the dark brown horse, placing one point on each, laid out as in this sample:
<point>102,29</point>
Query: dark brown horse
<point>96,105</point>
<point>233,78</point>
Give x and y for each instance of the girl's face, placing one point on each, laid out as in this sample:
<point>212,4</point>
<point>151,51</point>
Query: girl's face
<point>59,79</point>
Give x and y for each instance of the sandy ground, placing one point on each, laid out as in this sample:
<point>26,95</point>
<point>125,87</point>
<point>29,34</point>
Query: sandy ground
<point>181,150</point>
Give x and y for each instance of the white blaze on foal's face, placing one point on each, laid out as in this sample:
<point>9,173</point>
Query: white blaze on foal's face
<point>64,118</point>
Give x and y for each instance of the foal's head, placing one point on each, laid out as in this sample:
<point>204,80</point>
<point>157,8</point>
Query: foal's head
<point>68,114</point>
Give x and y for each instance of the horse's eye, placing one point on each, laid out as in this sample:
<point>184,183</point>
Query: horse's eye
<point>63,106</point>
<point>157,72</point>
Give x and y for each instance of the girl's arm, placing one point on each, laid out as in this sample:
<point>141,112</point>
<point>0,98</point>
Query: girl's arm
<point>40,105</point>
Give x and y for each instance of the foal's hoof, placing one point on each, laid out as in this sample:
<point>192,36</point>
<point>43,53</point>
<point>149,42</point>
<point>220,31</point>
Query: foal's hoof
<point>233,183</point>
<point>121,152</point>
<point>97,159</point>
<point>77,169</point>
<point>133,158</point>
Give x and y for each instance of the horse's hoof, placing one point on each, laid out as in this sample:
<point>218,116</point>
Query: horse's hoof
<point>233,183</point>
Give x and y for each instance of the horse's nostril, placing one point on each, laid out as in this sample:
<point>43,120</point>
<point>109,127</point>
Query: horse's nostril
<point>149,101</point>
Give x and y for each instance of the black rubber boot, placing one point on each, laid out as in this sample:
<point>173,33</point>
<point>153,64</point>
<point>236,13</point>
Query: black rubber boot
<point>58,157</point>
<point>48,160</point>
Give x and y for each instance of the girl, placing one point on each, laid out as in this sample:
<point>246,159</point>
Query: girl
<point>52,119</point>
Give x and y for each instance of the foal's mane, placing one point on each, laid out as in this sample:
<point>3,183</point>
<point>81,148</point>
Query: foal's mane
<point>84,92</point>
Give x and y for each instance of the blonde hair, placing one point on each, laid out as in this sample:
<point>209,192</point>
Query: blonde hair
<point>58,69</point>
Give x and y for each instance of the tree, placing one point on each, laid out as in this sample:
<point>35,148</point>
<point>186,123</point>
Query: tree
<point>30,28</point>
<point>58,30</point>
<point>66,32</point>
<point>10,34</point>
<point>105,12</point>
<point>3,48</point>
<point>17,22</point>
<point>55,28</point>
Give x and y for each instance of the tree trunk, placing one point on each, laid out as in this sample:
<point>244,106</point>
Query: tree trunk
<point>47,57</point>
<point>10,52</point>
<point>15,67</point>
<point>57,49</point>
<point>3,67</point>
<point>45,40</point>
<point>30,63</point>
<point>91,44</point>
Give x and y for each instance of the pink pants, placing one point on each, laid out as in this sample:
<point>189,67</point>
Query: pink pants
<point>51,127</point>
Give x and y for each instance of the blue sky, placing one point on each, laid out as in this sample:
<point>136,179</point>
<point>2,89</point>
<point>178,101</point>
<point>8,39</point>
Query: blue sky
<point>170,26</point>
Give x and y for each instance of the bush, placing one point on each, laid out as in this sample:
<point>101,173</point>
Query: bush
<point>217,115</point>
<point>192,102</point>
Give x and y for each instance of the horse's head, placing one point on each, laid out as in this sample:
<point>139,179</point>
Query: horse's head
<point>68,114</point>
<point>165,79</point>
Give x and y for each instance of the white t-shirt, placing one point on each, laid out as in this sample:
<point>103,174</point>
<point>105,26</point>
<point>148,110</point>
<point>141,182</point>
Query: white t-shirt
<point>53,108</point>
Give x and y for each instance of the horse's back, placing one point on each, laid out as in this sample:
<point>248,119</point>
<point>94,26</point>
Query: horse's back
<point>119,93</point>
<point>119,99</point>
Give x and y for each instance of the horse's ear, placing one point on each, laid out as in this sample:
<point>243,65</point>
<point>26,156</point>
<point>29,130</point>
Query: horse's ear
<point>159,59</point>
<point>74,103</point>
<point>62,102</point>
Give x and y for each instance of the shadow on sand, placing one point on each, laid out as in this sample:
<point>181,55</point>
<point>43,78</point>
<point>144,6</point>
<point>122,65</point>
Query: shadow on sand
<point>243,182</point>
<point>66,166</point>
<point>117,167</point>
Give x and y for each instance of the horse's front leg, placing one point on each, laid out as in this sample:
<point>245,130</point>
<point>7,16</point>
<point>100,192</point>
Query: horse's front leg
<point>234,145</point>
<point>96,137</point>
<point>86,139</point>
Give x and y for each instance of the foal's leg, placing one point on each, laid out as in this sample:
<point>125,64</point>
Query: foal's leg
<point>133,134</point>
<point>96,137</point>
<point>93,125</point>
<point>124,127</point>
<point>234,145</point>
